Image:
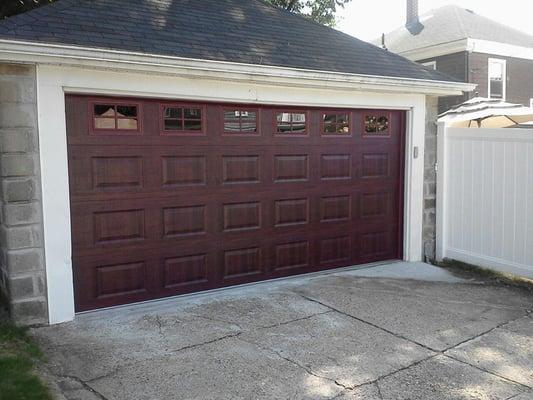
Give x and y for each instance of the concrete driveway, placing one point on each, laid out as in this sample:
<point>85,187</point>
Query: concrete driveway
<point>399,331</point>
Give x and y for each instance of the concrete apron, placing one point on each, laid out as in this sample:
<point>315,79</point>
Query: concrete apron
<point>390,332</point>
<point>391,269</point>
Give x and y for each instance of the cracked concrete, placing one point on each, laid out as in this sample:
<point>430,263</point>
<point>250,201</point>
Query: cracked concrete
<point>347,335</point>
<point>506,351</point>
<point>339,348</point>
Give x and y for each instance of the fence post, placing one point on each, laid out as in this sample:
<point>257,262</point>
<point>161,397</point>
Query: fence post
<point>441,207</point>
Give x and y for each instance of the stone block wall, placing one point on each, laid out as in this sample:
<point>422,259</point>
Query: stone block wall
<point>430,178</point>
<point>22,269</point>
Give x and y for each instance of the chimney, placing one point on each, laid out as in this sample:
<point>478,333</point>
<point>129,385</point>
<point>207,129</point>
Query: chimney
<point>412,13</point>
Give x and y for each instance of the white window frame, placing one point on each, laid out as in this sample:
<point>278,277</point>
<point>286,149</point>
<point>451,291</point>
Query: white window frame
<point>503,63</point>
<point>430,64</point>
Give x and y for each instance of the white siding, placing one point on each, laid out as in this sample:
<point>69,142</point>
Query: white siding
<point>486,198</point>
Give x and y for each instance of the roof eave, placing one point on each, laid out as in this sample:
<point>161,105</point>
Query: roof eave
<point>436,50</point>
<point>77,56</point>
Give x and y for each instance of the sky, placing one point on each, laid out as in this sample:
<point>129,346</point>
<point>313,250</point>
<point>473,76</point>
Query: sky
<point>368,19</point>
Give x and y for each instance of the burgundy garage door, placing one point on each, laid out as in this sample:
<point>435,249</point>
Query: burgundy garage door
<point>175,197</point>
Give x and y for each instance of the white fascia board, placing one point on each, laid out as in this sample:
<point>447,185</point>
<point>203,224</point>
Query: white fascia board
<point>74,56</point>
<point>471,46</point>
<point>425,53</point>
<point>500,49</point>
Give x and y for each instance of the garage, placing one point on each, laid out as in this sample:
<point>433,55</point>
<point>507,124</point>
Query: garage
<point>172,197</point>
<point>157,157</point>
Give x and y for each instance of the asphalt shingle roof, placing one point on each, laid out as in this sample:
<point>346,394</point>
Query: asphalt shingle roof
<point>452,23</point>
<point>244,31</point>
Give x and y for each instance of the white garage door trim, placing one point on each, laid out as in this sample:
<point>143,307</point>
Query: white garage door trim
<point>53,82</point>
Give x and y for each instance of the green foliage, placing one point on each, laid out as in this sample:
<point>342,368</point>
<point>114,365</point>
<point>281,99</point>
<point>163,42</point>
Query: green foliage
<point>18,354</point>
<point>321,11</point>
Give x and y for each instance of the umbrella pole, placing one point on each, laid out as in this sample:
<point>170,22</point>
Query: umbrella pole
<point>512,120</point>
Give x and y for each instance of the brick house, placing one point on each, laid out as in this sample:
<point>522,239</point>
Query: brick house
<point>143,156</point>
<point>469,47</point>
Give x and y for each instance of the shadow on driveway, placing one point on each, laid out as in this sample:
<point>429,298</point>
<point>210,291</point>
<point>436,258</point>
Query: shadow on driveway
<point>400,331</point>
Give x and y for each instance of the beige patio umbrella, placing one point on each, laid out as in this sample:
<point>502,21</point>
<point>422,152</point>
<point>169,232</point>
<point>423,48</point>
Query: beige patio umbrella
<point>481,112</point>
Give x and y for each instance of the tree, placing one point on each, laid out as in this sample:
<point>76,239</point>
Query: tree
<point>12,7</point>
<point>321,11</point>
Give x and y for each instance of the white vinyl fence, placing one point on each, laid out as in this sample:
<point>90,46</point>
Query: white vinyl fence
<point>485,198</point>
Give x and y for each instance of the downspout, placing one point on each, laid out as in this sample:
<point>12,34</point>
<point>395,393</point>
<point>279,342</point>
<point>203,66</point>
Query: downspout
<point>467,73</point>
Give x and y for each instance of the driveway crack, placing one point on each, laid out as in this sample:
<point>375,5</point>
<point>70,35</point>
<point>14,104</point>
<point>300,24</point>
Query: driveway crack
<point>368,323</point>
<point>218,320</point>
<point>84,384</point>
<point>380,395</point>
<point>501,325</point>
<point>300,366</point>
<point>436,352</point>
<point>375,381</point>
<point>159,324</point>
<point>401,292</point>
<point>487,371</point>
<point>194,346</point>
<point>294,320</point>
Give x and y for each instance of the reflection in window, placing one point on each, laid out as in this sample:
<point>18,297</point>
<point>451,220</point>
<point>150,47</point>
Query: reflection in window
<point>376,125</point>
<point>240,121</point>
<point>291,123</point>
<point>185,119</point>
<point>336,124</point>
<point>115,117</point>
<point>497,70</point>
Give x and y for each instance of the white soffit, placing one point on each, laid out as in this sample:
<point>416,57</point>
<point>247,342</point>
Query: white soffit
<point>472,46</point>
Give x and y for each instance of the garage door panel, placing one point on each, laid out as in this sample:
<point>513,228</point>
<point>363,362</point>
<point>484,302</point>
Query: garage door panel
<point>335,250</point>
<point>290,256</point>
<point>126,223</point>
<point>184,271</point>
<point>245,197</point>
<point>114,173</point>
<point>109,170</point>
<point>114,280</point>
<point>377,244</point>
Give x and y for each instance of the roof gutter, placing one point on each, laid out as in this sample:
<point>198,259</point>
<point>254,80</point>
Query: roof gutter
<point>75,56</point>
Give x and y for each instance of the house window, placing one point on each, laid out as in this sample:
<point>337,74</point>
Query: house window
<point>182,119</point>
<point>291,123</point>
<point>336,124</point>
<point>497,78</point>
<point>240,121</point>
<point>377,125</point>
<point>115,117</point>
<point>430,64</point>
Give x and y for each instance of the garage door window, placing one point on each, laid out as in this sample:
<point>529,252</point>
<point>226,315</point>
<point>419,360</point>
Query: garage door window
<point>291,123</point>
<point>182,119</point>
<point>377,125</point>
<point>240,121</point>
<point>115,118</point>
<point>336,124</point>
